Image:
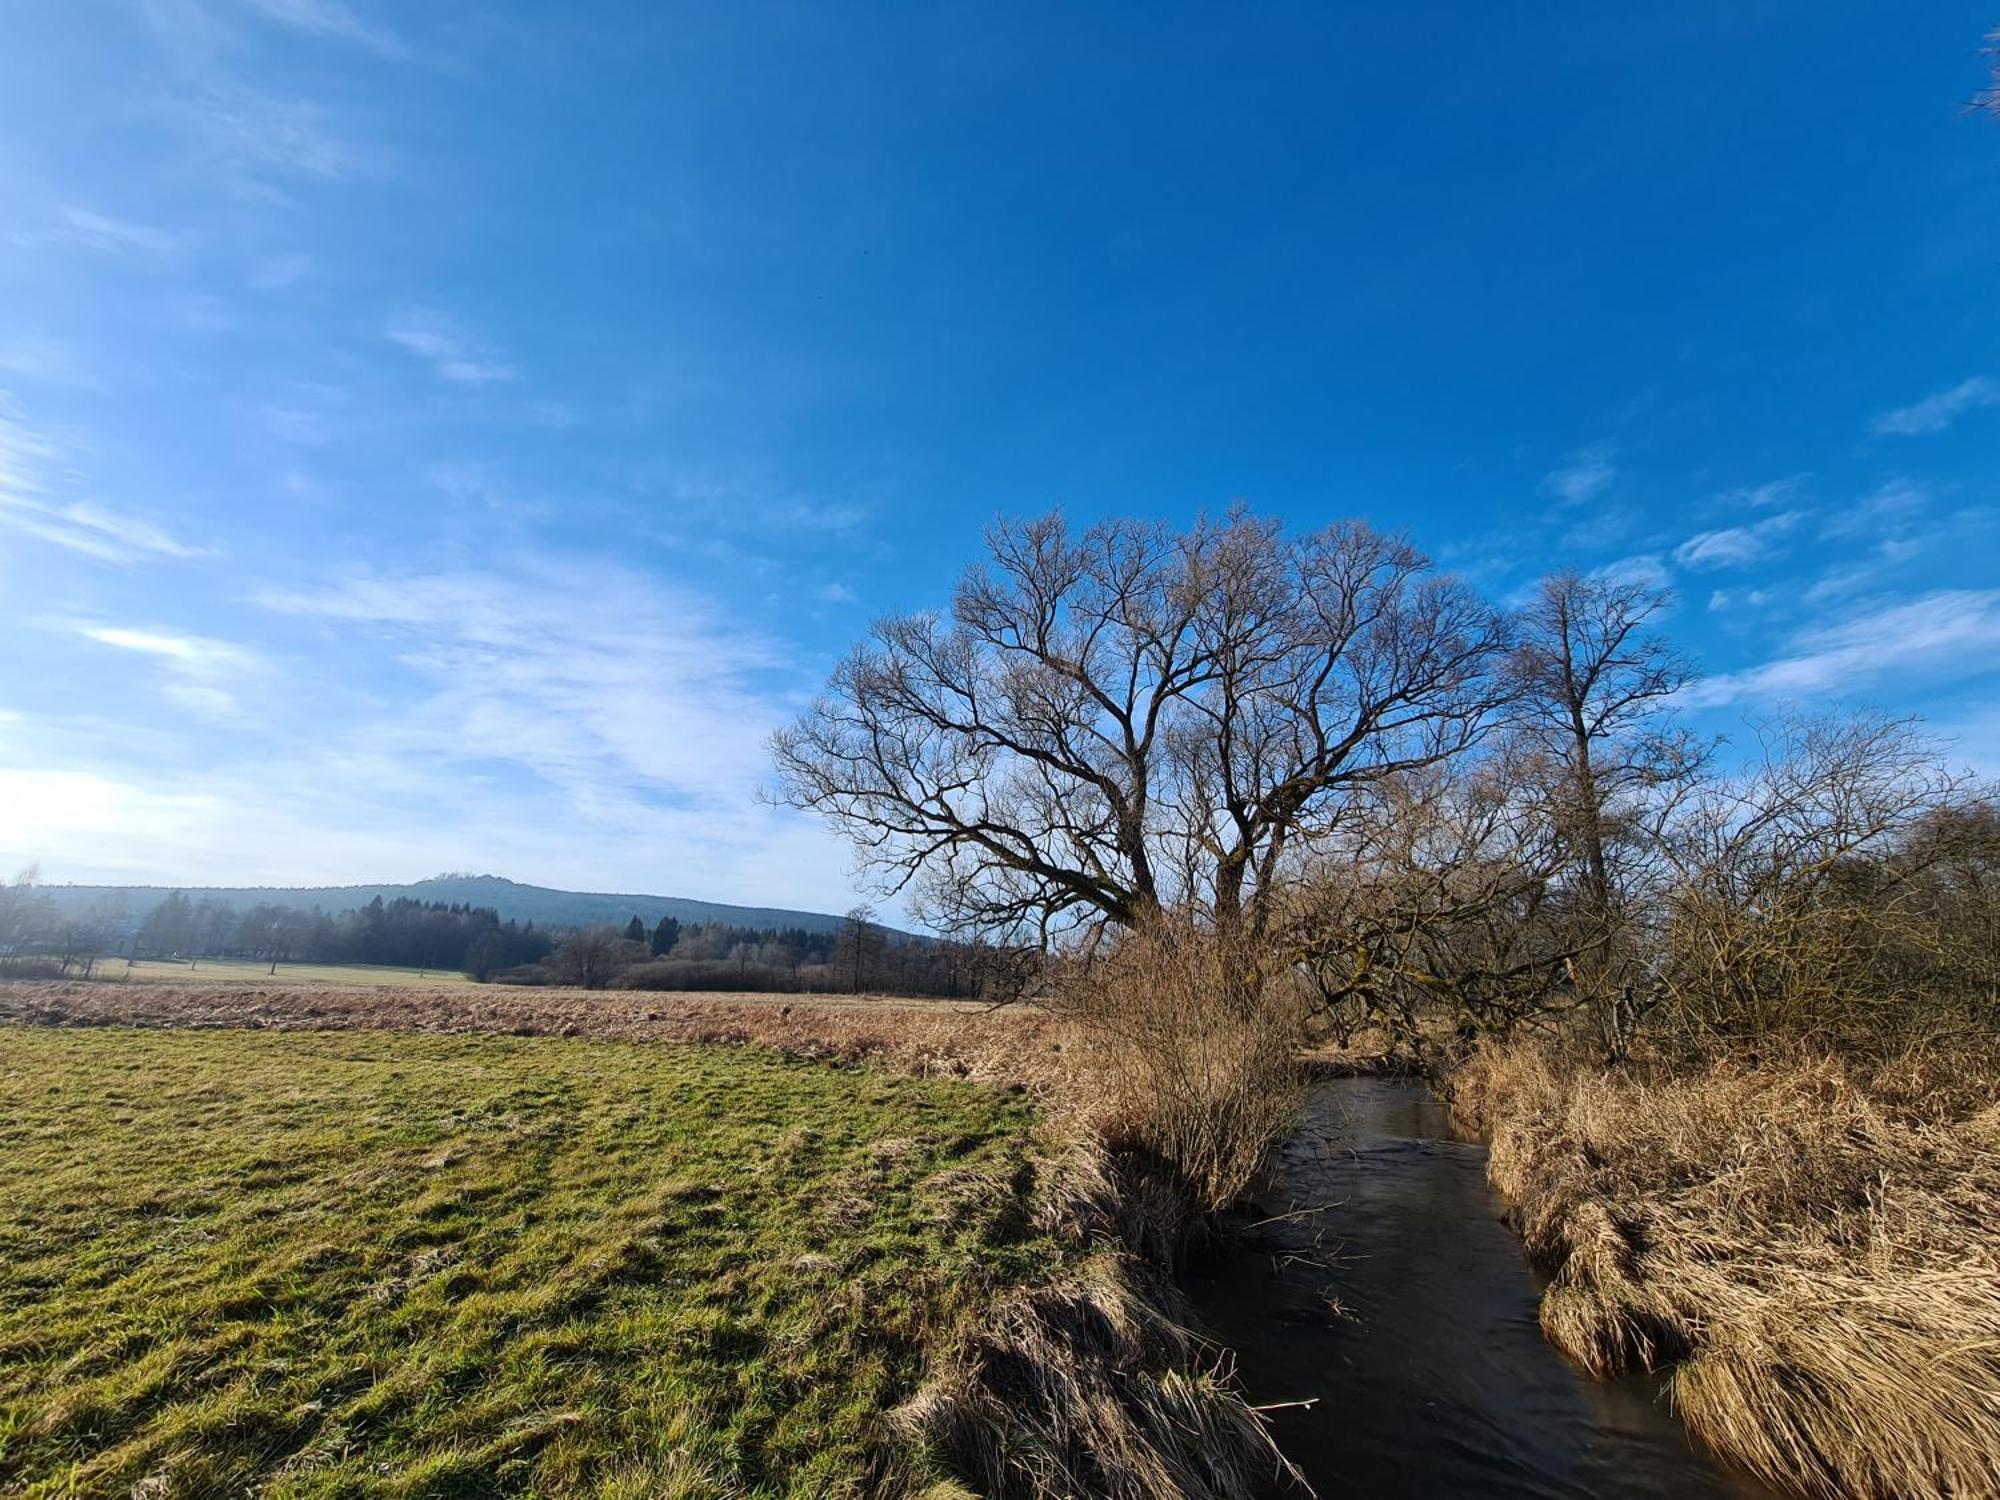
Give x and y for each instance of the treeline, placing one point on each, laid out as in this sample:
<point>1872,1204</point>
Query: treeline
<point>38,942</point>
<point>403,933</point>
<point>860,957</point>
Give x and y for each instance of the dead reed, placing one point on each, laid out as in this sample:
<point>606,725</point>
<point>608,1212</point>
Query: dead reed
<point>1811,1244</point>
<point>1092,1385</point>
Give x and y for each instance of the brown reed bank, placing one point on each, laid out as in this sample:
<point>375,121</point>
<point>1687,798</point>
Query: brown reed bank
<point>1811,1244</point>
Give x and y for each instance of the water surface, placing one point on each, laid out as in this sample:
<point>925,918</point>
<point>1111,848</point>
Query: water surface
<point>1435,1380</point>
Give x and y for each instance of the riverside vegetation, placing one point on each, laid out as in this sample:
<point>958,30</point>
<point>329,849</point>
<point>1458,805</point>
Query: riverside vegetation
<point>1808,1242</point>
<point>1727,1011</point>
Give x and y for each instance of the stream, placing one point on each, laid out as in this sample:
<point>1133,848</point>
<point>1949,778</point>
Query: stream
<point>1435,1380</point>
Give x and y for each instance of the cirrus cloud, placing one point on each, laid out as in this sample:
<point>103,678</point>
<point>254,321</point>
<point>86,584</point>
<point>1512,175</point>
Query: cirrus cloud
<point>1937,412</point>
<point>1948,633</point>
<point>1735,546</point>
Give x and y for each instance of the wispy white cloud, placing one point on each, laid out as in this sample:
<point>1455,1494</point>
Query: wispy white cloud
<point>277,273</point>
<point>1722,600</point>
<point>256,132</point>
<point>566,719</point>
<point>1584,475</point>
<point>1647,568</point>
<point>1841,583</point>
<point>1953,633</point>
<point>1845,582</point>
<point>44,362</point>
<point>93,531</point>
<point>253,134</point>
<point>1886,509</point>
<point>756,499</point>
<point>79,227</point>
<point>437,341</point>
<point>1604,526</point>
<point>199,672</point>
<point>601,682</point>
<point>329,18</point>
<point>299,426</point>
<point>1935,413</point>
<point>1761,496</point>
<point>31,476</point>
<point>25,454</point>
<point>1735,546</point>
<point>99,231</point>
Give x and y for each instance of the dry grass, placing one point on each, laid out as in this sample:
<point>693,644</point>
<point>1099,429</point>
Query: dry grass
<point>1206,1088</point>
<point>1813,1247</point>
<point>1090,1384</point>
<point>926,1038</point>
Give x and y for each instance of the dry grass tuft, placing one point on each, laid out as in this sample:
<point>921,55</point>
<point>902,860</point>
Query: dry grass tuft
<point>1090,1385</point>
<point>1814,1247</point>
<point>1182,1075</point>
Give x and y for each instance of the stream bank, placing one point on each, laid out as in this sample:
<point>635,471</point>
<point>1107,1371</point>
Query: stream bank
<point>1431,1377</point>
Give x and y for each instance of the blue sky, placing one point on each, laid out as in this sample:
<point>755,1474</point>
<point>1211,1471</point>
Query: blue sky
<point>451,435</point>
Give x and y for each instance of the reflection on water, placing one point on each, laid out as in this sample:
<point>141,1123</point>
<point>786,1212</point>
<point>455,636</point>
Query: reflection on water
<point>1434,1379</point>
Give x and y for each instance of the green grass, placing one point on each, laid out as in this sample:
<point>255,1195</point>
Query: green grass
<point>376,1263</point>
<point>219,970</point>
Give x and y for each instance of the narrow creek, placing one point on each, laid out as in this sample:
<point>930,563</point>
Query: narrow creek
<point>1434,1380</point>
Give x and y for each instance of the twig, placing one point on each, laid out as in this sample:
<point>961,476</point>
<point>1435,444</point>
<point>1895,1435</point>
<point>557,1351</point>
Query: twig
<point>1285,1405</point>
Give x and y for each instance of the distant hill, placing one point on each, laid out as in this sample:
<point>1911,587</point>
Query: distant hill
<point>127,905</point>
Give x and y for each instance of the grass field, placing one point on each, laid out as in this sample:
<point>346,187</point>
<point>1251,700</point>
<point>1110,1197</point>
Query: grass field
<point>374,1263</point>
<point>209,971</point>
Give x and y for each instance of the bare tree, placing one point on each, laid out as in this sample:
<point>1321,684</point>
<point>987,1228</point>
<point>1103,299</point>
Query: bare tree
<point>25,915</point>
<point>78,943</point>
<point>1988,98</point>
<point>1442,893</point>
<point>1114,722</point>
<point>857,945</point>
<point>592,957</point>
<point>1593,684</point>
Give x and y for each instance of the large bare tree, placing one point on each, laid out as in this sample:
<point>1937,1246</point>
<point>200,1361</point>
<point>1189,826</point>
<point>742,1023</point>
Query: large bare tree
<point>1114,721</point>
<point>1594,683</point>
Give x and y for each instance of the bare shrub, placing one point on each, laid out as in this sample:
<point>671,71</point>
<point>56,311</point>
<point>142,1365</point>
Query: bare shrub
<point>724,976</point>
<point>591,957</point>
<point>1205,1088</point>
<point>1830,889</point>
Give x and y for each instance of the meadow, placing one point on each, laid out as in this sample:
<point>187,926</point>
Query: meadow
<point>332,1263</point>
